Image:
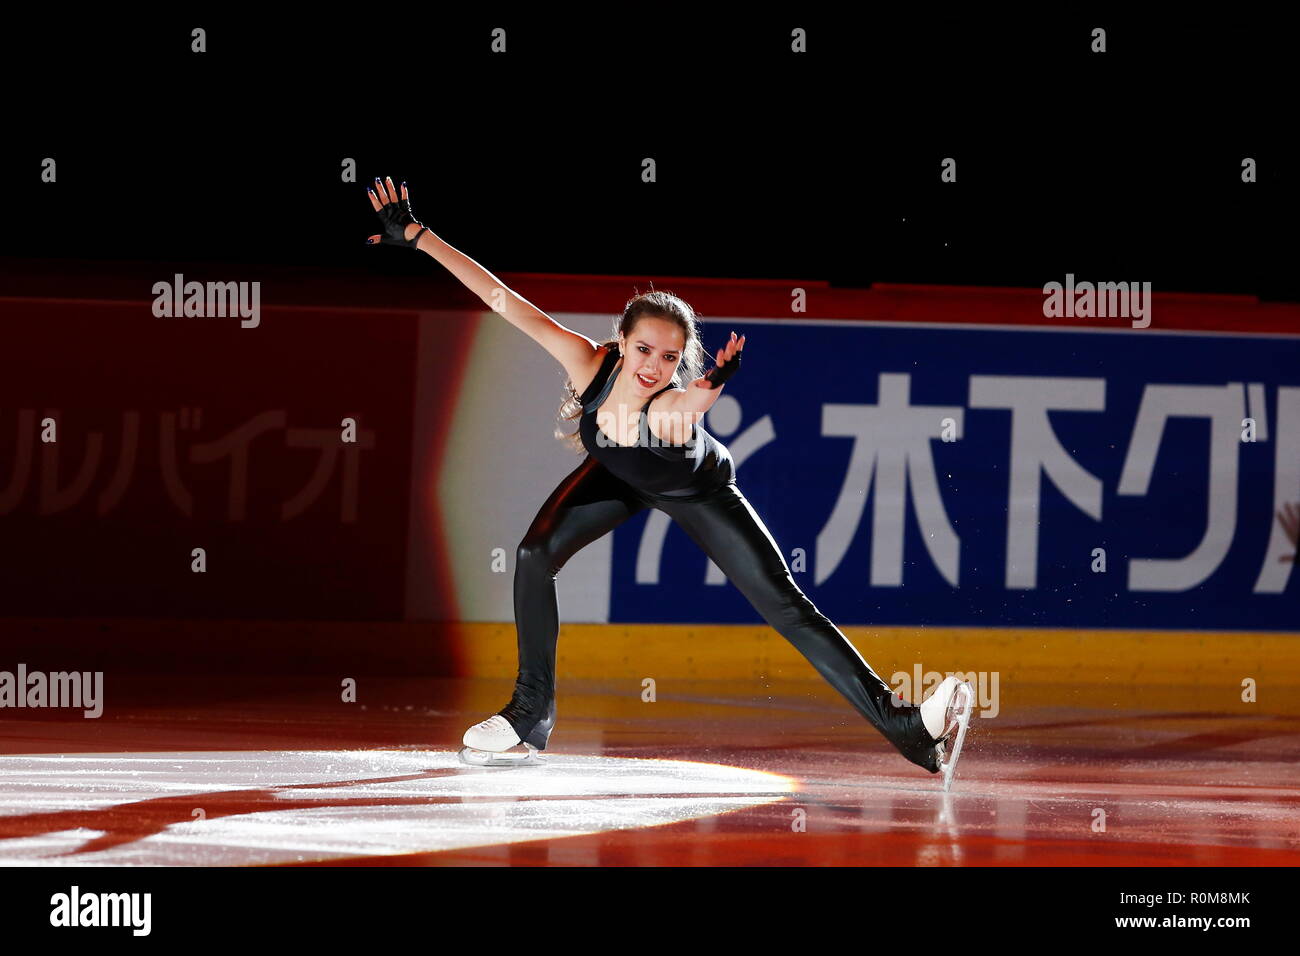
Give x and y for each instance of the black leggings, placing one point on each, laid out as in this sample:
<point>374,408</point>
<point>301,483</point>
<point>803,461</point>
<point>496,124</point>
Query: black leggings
<point>591,502</point>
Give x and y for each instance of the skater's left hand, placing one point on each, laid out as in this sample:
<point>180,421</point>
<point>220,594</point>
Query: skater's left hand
<point>733,347</point>
<point>1290,518</point>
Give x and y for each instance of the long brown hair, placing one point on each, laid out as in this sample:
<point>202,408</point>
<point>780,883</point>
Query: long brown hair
<point>658,305</point>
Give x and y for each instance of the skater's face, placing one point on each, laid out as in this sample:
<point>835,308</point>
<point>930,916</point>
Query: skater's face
<point>651,352</point>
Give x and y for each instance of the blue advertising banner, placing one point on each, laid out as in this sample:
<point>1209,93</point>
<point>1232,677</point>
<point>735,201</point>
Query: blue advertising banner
<point>994,476</point>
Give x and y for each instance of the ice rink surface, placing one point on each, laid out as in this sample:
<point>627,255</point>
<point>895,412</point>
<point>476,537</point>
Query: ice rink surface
<point>712,775</point>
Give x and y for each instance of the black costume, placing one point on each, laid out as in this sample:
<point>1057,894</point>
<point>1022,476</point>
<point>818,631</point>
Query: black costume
<point>696,487</point>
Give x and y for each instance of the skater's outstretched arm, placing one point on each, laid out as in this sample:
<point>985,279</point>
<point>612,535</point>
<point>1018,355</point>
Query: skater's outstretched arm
<point>575,351</point>
<point>700,394</point>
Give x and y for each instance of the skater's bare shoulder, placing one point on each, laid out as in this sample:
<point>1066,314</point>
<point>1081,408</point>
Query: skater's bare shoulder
<point>583,376</point>
<point>581,356</point>
<point>671,418</point>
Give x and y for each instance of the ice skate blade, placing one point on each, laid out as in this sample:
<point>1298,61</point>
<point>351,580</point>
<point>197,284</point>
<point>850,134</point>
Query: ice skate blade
<point>948,762</point>
<point>487,758</point>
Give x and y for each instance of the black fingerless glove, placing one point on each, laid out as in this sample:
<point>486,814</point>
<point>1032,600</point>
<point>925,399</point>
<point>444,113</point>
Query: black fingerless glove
<point>721,373</point>
<point>396,216</point>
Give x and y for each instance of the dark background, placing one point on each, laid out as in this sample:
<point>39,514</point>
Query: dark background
<point>1122,166</point>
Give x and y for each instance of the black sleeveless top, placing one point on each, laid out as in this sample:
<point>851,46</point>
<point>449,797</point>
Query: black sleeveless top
<point>652,466</point>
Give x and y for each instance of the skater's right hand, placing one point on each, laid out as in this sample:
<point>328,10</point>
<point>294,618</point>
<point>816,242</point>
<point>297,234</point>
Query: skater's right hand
<point>1290,518</point>
<point>401,228</point>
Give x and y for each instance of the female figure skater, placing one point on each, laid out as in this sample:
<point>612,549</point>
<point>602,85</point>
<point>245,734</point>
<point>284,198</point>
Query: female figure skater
<point>642,397</point>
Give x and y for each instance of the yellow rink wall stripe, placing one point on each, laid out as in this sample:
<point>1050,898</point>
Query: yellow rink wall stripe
<point>1112,662</point>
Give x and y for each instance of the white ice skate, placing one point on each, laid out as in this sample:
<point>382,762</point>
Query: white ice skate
<point>488,743</point>
<point>946,714</point>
